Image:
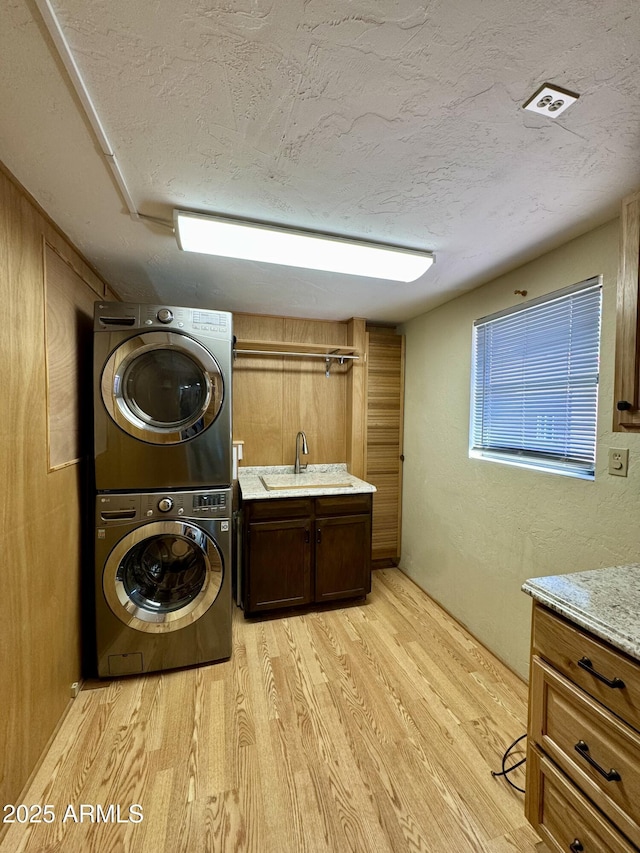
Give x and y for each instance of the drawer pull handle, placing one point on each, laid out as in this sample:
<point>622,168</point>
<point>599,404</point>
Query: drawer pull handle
<point>306,536</point>
<point>576,846</point>
<point>585,663</point>
<point>609,775</point>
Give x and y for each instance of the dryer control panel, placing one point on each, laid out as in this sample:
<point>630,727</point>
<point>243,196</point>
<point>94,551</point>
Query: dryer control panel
<point>207,323</point>
<point>202,503</point>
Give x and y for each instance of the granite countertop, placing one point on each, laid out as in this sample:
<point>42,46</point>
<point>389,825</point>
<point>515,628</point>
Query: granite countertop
<point>330,479</point>
<point>605,602</point>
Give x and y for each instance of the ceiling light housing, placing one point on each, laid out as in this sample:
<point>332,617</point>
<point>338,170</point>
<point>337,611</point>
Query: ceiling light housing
<point>252,241</point>
<point>550,100</point>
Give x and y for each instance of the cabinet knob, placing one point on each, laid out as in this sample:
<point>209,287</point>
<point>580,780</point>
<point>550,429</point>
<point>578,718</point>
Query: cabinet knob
<point>623,405</point>
<point>576,846</point>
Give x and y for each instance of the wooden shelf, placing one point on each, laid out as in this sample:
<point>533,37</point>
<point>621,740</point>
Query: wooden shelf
<point>292,348</point>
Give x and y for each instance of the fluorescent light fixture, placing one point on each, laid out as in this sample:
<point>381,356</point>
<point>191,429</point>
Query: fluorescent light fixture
<point>214,235</point>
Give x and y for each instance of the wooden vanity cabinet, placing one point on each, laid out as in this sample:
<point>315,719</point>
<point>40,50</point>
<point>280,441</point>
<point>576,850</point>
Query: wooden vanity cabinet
<point>300,551</point>
<point>583,753</point>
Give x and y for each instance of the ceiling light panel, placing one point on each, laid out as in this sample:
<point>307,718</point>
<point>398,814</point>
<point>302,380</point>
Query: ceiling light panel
<point>250,241</point>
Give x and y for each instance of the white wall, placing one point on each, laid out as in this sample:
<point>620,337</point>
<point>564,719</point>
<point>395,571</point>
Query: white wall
<point>474,530</point>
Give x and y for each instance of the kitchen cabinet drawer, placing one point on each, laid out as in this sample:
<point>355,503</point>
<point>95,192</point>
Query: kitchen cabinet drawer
<point>563,817</point>
<point>595,748</point>
<point>343,504</point>
<point>586,660</point>
<point>280,508</point>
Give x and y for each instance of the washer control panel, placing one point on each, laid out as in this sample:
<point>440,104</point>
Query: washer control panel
<point>114,508</point>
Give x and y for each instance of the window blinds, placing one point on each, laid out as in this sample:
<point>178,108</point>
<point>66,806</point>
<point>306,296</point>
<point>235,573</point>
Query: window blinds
<point>535,382</point>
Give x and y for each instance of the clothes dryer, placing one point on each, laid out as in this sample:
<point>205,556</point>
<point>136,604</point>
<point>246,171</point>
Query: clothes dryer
<point>162,580</point>
<point>162,397</point>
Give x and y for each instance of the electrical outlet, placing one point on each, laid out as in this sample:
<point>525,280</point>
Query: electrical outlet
<point>618,461</point>
<point>550,101</point>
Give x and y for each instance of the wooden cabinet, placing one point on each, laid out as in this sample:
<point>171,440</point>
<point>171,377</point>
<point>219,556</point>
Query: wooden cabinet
<point>627,381</point>
<point>277,581</point>
<point>306,550</point>
<point>583,756</point>
<point>342,557</point>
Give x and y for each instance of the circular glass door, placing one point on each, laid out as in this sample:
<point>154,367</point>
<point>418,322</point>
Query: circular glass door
<point>163,576</point>
<point>162,387</point>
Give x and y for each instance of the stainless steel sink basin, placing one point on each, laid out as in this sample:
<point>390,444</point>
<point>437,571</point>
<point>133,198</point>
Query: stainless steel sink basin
<point>307,482</point>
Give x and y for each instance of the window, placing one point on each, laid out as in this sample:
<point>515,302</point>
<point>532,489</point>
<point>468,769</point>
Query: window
<point>534,385</point>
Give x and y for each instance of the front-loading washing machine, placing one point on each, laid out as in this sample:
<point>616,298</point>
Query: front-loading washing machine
<point>162,580</point>
<point>162,397</point>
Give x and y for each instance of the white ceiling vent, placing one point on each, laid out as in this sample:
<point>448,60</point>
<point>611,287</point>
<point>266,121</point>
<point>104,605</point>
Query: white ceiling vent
<point>550,100</point>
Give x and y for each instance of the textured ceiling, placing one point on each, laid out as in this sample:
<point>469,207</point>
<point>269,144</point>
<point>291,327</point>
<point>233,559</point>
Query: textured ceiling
<point>390,120</point>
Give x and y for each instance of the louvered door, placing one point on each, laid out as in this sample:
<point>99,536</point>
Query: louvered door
<point>385,404</point>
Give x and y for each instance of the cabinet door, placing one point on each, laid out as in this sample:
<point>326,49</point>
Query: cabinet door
<point>627,383</point>
<point>343,557</point>
<point>278,565</point>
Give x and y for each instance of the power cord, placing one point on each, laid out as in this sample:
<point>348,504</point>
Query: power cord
<point>506,770</point>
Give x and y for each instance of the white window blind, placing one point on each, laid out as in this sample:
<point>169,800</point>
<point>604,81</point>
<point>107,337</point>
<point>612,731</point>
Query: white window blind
<point>535,382</point>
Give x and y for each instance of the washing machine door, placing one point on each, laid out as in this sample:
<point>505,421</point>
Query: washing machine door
<point>162,387</point>
<point>163,576</point>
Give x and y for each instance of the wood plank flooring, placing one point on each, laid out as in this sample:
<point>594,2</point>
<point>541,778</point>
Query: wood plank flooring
<point>372,727</point>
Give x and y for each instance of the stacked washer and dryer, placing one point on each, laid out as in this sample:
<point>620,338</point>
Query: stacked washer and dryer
<point>163,468</point>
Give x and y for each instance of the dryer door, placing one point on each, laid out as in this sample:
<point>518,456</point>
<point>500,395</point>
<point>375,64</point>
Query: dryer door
<point>162,387</point>
<point>162,576</point>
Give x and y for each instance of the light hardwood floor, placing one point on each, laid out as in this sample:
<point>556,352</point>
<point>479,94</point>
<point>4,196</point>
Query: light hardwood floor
<point>366,728</point>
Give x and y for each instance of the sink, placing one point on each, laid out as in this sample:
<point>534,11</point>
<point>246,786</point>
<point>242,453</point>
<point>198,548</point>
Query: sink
<point>307,482</point>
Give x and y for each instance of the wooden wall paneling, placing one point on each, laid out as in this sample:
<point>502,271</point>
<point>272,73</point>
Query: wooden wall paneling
<point>275,397</point>
<point>20,428</point>
<point>313,402</point>
<point>51,234</point>
<point>69,322</point>
<point>41,510</point>
<point>258,390</point>
<point>357,398</point>
<point>385,408</point>
<point>315,331</point>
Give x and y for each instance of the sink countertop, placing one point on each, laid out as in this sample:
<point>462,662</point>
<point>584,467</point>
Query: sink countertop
<point>253,488</point>
<point>605,602</point>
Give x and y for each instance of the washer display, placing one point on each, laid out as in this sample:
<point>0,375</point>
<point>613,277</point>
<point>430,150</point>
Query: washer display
<point>163,580</point>
<point>162,397</point>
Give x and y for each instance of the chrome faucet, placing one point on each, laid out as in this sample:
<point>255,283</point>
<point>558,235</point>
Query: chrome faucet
<point>297,468</point>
